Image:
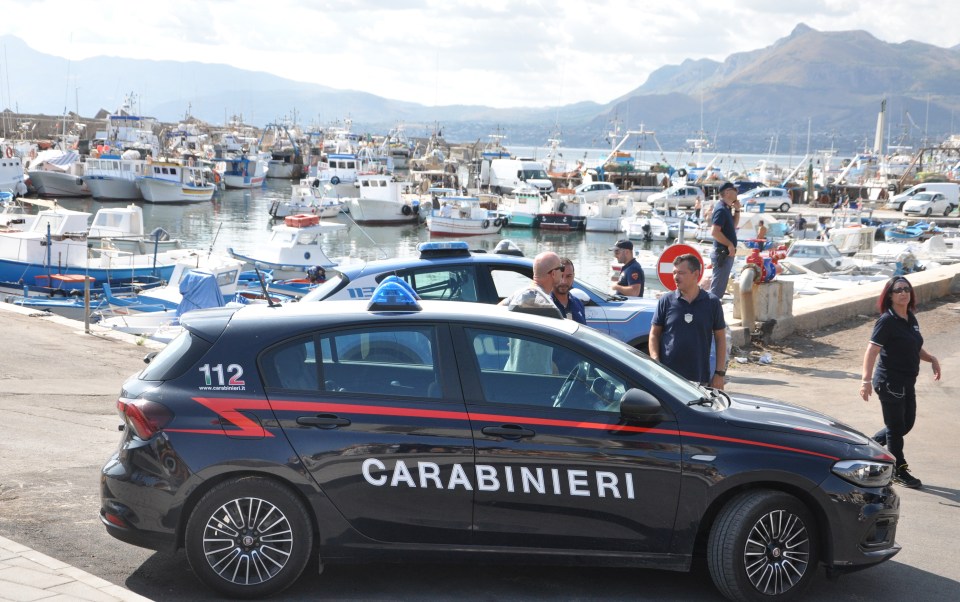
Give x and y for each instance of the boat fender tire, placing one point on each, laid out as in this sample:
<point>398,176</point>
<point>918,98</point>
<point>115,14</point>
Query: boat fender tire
<point>498,222</point>
<point>306,255</point>
<point>561,207</point>
<point>485,224</point>
<point>406,210</point>
<point>335,180</point>
<point>682,172</point>
<point>9,152</point>
<point>315,183</point>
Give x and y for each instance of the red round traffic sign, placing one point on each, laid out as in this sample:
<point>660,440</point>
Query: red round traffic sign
<point>665,263</point>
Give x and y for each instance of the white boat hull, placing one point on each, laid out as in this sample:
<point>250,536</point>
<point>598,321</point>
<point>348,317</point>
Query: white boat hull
<point>57,184</point>
<point>105,187</point>
<point>377,211</point>
<point>455,226</point>
<point>165,191</point>
<point>602,224</point>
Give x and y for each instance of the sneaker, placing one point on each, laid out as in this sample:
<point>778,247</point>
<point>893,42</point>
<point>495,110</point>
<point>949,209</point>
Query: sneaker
<point>902,475</point>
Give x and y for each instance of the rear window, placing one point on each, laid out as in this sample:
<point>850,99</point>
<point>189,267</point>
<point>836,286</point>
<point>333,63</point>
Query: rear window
<point>181,353</point>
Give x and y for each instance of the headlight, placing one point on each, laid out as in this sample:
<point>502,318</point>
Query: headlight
<point>864,472</point>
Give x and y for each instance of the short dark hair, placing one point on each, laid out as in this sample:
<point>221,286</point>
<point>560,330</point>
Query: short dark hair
<point>691,260</point>
<point>886,297</point>
<point>566,261</point>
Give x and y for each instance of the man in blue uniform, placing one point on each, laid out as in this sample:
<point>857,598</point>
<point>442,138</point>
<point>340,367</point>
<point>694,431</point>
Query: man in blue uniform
<point>683,324</point>
<point>631,274</point>
<point>726,217</point>
<point>571,307</point>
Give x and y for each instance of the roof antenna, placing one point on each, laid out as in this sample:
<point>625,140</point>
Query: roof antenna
<point>263,287</point>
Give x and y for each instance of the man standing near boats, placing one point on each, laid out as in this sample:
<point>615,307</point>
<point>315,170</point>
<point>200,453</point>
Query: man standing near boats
<point>631,274</point>
<point>571,307</point>
<point>726,217</point>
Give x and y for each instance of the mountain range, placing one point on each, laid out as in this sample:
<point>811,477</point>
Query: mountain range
<point>765,100</point>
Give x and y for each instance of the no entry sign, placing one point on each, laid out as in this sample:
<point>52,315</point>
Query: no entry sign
<point>665,263</point>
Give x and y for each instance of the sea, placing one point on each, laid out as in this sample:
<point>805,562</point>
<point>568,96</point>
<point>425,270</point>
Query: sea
<point>240,219</point>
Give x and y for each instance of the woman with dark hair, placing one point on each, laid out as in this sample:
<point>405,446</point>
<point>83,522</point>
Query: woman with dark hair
<point>897,341</point>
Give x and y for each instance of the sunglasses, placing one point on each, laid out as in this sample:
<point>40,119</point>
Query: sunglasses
<point>559,267</point>
<point>900,289</point>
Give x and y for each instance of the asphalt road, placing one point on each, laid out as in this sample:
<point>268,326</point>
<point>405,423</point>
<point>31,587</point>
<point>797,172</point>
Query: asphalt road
<point>58,388</point>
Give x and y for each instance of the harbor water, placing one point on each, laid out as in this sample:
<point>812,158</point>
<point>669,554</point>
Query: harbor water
<point>241,219</point>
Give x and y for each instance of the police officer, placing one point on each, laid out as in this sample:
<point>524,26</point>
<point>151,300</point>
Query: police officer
<point>571,307</point>
<point>683,324</point>
<point>631,274</point>
<point>725,219</point>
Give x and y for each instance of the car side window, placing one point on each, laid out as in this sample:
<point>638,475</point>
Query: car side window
<point>394,361</point>
<point>524,370</point>
<point>506,281</point>
<point>456,283</point>
<point>291,365</point>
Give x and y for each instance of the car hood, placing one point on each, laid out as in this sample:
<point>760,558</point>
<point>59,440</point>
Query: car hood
<point>749,411</point>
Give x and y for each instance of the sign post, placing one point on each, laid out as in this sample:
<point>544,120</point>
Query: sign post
<point>665,263</point>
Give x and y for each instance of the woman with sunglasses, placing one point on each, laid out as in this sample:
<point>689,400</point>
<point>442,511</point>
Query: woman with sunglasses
<point>897,341</point>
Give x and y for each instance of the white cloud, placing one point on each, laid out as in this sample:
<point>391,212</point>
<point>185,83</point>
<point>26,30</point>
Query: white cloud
<point>500,53</point>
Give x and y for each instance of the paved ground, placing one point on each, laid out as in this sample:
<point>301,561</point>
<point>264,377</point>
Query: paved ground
<point>58,387</point>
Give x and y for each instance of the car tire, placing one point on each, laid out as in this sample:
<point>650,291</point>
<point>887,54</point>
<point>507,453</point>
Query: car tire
<point>948,210</point>
<point>217,541</point>
<point>929,212</point>
<point>763,546</point>
<point>784,207</point>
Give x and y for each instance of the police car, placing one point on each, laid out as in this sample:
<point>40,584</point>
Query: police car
<point>435,430</point>
<point>450,271</point>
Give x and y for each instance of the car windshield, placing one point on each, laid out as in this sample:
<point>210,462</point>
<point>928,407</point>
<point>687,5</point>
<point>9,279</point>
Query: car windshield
<point>680,387</point>
<point>922,197</point>
<point>324,290</point>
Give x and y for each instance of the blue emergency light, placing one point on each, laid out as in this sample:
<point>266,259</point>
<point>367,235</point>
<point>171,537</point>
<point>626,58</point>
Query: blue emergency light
<point>394,294</point>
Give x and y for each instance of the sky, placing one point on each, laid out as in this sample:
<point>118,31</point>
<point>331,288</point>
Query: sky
<point>497,53</point>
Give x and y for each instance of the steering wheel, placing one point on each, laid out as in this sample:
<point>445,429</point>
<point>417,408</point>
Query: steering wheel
<point>577,374</point>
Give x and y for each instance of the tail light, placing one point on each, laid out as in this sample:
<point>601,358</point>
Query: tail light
<point>145,417</point>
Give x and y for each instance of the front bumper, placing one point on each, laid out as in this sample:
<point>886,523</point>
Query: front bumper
<point>861,525</point>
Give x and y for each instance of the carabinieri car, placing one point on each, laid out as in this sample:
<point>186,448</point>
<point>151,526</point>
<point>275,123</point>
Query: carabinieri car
<point>450,271</point>
<point>445,429</point>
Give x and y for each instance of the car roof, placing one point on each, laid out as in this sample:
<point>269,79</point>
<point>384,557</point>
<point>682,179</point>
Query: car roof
<point>331,313</point>
<point>402,263</point>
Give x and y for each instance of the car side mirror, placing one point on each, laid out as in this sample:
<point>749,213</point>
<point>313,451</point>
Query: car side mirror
<point>637,404</point>
<point>581,295</point>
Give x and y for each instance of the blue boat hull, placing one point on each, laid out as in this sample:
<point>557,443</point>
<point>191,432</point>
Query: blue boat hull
<point>19,272</point>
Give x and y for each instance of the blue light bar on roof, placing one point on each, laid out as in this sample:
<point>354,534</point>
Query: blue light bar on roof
<point>457,245</point>
<point>394,294</point>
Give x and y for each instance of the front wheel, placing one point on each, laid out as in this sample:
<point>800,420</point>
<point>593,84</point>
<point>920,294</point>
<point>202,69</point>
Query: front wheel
<point>763,546</point>
<point>249,537</point>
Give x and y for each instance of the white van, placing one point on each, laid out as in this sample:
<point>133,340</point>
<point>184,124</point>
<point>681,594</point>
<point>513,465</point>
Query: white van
<point>506,175</point>
<point>951,190</point>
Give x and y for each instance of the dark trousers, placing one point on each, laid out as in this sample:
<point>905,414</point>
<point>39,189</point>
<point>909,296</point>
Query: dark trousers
<point>899,403</point>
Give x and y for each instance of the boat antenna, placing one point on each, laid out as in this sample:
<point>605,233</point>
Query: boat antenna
<point>214,241</point>
<point>263,287</point>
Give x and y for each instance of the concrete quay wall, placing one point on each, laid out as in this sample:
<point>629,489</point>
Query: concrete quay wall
<point>826,309</point>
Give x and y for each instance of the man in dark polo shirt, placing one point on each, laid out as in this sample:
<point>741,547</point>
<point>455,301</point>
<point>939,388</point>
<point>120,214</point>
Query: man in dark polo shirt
<point>725,219</point>
<point>685,320</point>
<point>631,274</point>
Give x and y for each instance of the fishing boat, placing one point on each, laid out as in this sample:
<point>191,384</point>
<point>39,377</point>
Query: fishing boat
<point>381,201</point>
<point>248,170</point>
<point>114,177</point>
<point>293,247</point>
<point>170,182</point>
<point>605,214</point>
<point>463,216</point>
<point>58,173</point>
<point>521,207</point>
<point>56,243</point>
<point>308,196</point>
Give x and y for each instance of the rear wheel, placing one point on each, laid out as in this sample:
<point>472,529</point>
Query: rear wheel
<point>763,546</point>
<point>784,207</point>
<point>948,210</point>
<point>249,537</point>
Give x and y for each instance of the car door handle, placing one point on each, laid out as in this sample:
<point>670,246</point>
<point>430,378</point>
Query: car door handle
<point>507,431</point>
<point>328,421</point>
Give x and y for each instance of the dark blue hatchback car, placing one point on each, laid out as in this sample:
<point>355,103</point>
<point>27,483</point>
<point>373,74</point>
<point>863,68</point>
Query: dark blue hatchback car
<point>353,429</point>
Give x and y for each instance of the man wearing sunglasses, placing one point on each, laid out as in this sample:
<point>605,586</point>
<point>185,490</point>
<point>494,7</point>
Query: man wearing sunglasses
<point>547,274</point>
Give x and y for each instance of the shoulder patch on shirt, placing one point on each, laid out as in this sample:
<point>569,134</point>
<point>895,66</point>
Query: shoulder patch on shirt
<point>634,276</point>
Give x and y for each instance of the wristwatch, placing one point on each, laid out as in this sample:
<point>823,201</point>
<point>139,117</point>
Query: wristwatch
<point>720,372</point>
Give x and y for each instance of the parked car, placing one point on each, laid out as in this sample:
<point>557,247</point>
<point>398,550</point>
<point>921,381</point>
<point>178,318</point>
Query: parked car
<point>265,437</point>
<point>951,190</point>
<point>927,204</point>
<point>678,196</point>
<point>450,271</point>
<point>596,191</point>
<point>773,198</point>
